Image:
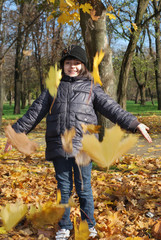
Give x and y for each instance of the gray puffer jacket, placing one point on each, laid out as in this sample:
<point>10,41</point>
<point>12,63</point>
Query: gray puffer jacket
<point>77,102</point>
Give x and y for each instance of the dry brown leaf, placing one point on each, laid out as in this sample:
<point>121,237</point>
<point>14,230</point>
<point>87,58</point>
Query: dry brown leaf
<point>20,141</point>
<point>66,139</point>
<point>82,159</point>
<point>156,230</point>
<point>91,128</point>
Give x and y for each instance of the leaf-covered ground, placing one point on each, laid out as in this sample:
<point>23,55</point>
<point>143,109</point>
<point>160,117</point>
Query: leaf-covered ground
<point>127,197</point>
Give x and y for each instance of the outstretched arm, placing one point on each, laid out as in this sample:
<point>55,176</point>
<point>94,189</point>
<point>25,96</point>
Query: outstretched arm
<point>143,129</point>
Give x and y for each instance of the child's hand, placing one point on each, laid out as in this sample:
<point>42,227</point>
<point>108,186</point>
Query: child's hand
<point>8,147</point>
<point>143,129</point>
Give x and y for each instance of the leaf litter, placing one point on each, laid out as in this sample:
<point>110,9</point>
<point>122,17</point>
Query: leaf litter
<point>127,196</point>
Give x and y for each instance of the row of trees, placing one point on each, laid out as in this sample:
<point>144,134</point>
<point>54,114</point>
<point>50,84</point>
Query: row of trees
<point>29,44</point>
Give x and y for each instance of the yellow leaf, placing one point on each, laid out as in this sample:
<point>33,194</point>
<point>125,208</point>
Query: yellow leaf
<point>3,230</point>
<point>53,80</point>
<point>111,16</point>
<point>58,196</point>
<point>66,139</point>
<point>48,214</point>
<point>135,26</point>
<point>49,18</point>
<point>12,213</point>
<point>134,238</point>
<point>114,144</point>
<point>91,128</point>
<point>70,3</point>
<point>97,60</point>
<point>81,231</point>
<point>110,8</point>
<point>86,7</point>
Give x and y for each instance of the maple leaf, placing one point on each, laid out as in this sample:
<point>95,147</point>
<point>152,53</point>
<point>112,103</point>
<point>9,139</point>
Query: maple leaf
<point>20,141</point>
<point>50,213</point>
<point>53,80</point>
<point>111,16</point>
<point>66,139</point>
<point>12,213</point>
<point>81,231</point>
<point>97,60</point>
<point>86,7</point>
<point>113,146</point>
<point>91,128</point>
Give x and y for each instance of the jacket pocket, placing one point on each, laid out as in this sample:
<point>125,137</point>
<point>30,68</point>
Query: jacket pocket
<point>53,125</point>
<point>86,118</point>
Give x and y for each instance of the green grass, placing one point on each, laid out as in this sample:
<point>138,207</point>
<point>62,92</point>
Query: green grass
<point>135,109</point>
<point>8,112</point>
<point>147,109</point>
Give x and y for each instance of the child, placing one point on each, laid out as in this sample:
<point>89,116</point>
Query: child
<point>75,104</point>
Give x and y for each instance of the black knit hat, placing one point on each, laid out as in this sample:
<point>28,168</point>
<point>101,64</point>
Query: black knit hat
<point>74,51</point>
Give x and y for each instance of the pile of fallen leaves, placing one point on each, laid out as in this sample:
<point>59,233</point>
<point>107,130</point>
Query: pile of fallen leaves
<point>127,197</point>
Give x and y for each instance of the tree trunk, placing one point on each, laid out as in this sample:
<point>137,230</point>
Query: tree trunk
<point>137,95</point>
<point>94,34</point>
<point>157,6</point>
<point>1,62</point>
<point>126,63</point>
<point>17,77</point>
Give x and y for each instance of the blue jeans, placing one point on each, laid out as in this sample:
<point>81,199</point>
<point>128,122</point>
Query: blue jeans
<point>63,169</point>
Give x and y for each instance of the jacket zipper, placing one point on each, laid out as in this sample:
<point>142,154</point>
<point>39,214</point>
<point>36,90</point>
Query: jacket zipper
<point>67,114</point>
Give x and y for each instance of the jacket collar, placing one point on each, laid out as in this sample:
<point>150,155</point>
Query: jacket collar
<point>67,78</point>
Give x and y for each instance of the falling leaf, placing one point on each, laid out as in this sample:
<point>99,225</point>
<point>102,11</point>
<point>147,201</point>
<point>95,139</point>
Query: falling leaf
<point>86,7</point>
<point>82,159</point>
<point>3,230</point>
<point>81,231</point>
<point>48,214</point>
<point>113,146</point>
<point>53,80</point>
<point>12,213</point>
<point>70,3</point>
<point>93,15</point>
<point>20,141</point>
<point>66,139</point>
<point>97,60</point>
<point>58,196</point>
<point>111,16</point>
<point>91,128</point>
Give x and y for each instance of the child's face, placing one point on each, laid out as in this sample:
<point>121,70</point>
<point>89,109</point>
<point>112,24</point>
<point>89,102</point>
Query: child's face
<point>72,67</point>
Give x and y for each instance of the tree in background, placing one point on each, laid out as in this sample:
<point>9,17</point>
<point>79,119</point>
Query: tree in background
<point>1,61</point>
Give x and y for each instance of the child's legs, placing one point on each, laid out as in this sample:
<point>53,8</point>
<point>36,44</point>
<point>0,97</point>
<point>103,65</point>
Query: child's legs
<point>85,195</point>
<point>63,170</point>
